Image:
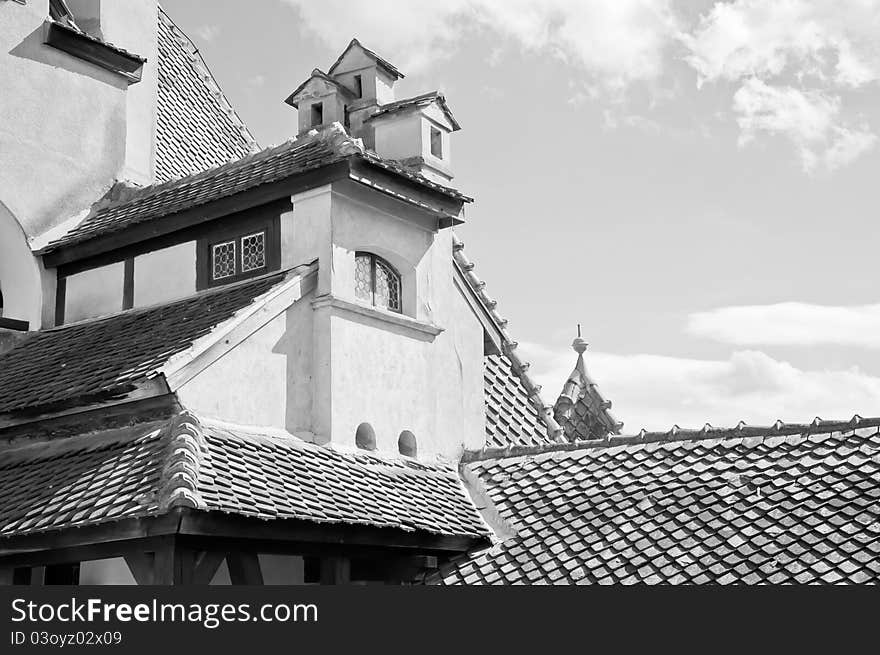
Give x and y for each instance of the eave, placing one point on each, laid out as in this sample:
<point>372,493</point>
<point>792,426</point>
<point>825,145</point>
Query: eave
<point>81,45</point>
<point>439,203</point>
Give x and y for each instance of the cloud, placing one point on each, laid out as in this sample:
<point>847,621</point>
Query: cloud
<point>829,40</point>
<point>825,46</point>
<point>208,32</point>
<point>790,323</point>
<point>615,43</point>
<point>809,119</point>
<point>657,392</point>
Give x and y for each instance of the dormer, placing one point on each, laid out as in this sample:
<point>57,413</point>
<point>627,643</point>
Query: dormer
<point>416,133</point>
<point>320,101</point>
<point>370,78</point>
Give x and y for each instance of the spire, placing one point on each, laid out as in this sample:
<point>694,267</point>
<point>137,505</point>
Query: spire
<point>580,408</point>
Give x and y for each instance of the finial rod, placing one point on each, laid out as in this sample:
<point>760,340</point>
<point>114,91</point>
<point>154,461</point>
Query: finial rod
<point>579,330</point>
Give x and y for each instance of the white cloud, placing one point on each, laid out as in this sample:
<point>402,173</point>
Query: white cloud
<point>790,323</point>
<point>657,392</point>
<point>614,42</point>
<point>827,46</point>
<point>832,40</point>
<point>809,119</point>
<point>208,32</point>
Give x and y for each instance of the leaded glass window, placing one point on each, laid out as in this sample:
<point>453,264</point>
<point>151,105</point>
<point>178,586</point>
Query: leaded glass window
<point>253,252</point>
<point>376,281</point>
<point>223,264</point>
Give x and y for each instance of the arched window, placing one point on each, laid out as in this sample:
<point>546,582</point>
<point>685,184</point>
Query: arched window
<point>365,437</point>
<point>376,281</point>
<point>406,444</point>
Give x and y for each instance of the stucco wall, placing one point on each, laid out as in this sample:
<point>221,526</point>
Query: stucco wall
<point>398,135</point>
<point>20,277</point>
<point>63,139</point>
<point>331,362</point>
<point>264,381</point>
<point>165,275</point>
<point>94,292</point>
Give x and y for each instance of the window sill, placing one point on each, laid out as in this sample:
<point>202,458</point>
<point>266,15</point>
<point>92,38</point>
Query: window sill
<point>342,307</point>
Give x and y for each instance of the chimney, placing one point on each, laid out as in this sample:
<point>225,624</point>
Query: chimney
<point>358,91</point>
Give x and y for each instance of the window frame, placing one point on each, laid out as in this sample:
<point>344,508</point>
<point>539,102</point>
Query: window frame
<point>432,132</point>
<point>374,261</point>
<point>236,227</point>
<point>316,110</point>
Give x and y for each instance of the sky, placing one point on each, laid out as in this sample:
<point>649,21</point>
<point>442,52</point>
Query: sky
<point>694,183</point>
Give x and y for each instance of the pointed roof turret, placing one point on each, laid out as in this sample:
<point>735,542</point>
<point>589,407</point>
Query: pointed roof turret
<point>580,409</point>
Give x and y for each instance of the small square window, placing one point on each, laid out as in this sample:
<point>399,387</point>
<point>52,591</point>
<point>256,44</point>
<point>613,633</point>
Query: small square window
<point>436,143</point>
<point>317,114</point>
<point>253,252</point>
<point>223,260</point>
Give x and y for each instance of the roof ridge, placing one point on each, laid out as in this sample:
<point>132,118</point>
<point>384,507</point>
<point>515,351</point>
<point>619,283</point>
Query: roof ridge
<point>179,480</point>
<point>432,96</point>
<point>508,345</point>
<point>380,60</point>
<point>707,432</point>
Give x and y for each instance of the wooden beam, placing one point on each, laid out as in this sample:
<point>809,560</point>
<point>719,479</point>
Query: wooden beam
<point>141,566</point>
<point>393,569</point>
<point>134,234</point>
<point>335,570</point>
<point>220,524</point>
<point>207,563</point>
<point>244,568</point>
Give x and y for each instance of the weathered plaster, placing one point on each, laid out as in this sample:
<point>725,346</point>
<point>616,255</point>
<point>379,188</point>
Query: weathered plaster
<point>20,274</point>
<point>64,140</point>
<point>95,292</point>
<point>165,275</point>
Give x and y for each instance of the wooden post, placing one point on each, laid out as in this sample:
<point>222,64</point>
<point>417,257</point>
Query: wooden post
<point>244,568</point>
<point>206,565</point>
<point>335,570</point>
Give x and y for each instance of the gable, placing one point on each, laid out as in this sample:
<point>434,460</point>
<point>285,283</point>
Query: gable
<point>196,127</point>
<point>356,57</point>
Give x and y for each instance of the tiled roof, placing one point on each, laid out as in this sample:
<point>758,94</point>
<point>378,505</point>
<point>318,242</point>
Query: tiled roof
<point>581,409</point>
<point>103,357</point>
<point>147,469</point>
<point>513,400</point>
<point>290,478</point>
<point>85,479</point>
<point>196,127</point>
<point>784,504</point>
<point>418,101</point>
<point>270,165</point>
<point>511,420</point>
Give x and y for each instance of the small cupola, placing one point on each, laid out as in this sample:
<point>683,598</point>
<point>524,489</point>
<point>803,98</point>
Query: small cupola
<point>416,133</point>
<point>371,79</point>
<point>320,101</point>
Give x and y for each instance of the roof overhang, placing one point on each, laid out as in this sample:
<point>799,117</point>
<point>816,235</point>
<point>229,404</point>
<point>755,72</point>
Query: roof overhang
<point>81,45</point>
<point>446,204</point>
<point>293,536</point>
